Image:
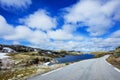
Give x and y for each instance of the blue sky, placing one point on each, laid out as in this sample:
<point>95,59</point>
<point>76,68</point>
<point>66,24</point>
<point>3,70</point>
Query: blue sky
<point>82,25</point>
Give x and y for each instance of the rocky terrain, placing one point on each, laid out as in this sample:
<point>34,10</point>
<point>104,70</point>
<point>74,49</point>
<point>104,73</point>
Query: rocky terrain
<point>19,48</point>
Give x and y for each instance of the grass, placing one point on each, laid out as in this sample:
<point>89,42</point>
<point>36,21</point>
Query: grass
<point>26,72</point>
<point>17,74</point>
<point>100,54</point>
<point>26,66</point>
<point>75,53</point>
<point>29,58</point>
<point>114,61</point>
<point>114,58</point>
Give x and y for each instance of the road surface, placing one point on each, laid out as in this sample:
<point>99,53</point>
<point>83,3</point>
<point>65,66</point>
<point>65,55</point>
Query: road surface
<point>93,69</point>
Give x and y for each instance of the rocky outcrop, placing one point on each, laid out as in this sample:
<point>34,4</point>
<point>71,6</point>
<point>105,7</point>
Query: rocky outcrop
<point>18,48</point>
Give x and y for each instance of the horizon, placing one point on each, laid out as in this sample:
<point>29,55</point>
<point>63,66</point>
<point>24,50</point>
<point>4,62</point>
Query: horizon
<point>80,25</point>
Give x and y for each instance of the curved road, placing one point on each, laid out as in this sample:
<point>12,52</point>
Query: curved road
<point>93,69</point>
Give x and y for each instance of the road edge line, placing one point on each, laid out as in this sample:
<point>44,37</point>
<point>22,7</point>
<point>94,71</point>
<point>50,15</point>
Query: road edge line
<point>108,63</point>
<point>118,70</point>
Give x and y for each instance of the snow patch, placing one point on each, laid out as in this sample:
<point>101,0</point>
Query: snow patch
<point>3,55</point>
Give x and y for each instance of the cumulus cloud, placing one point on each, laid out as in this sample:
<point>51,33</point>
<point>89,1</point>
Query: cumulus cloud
<point>20,32</point>
<point>61,45</point>
<point>40,20</point>
<point>24,33</point>
<point>108,43</point>
<point>97,15</point>
<point>15,3</point>
<point>40,30</point>
<point>116,34</point>
<point>41,39</point>
<point>117,16</point>
<point>5,28</point>
<point>60,35</point>
<point>65,33</point>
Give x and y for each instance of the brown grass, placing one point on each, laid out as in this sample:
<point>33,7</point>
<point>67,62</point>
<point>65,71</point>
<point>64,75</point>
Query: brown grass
<point>114,61</point>
<point>99,54</point>
<point>17,74</point>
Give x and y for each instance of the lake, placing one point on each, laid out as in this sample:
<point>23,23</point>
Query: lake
<point>74,58</point>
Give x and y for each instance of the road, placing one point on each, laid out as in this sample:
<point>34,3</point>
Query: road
<point>92,69</point>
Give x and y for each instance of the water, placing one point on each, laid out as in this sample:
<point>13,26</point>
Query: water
<point>74,58</point>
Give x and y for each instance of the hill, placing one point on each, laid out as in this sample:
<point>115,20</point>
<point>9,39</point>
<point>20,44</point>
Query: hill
<point>18,48</point>
<point>39,52</point>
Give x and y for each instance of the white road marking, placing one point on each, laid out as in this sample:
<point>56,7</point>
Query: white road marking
<point>117,69</point>
<point>113,66</point>
<point>108,63</point>
<point>51,72</point>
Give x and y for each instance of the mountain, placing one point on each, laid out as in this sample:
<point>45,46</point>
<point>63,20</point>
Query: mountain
<point>41,52</point>
<point>18,48</point>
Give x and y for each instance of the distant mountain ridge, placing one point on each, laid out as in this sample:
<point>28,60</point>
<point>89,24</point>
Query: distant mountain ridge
<point>19,48</point>
<point>22,48</point>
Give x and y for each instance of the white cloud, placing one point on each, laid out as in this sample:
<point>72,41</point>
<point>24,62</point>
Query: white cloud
<point>15,3</point>
<point>108,43</point>
<point>66,33</point>
<point>63,38</point>
<point>85,45</point>
<point>40,20</point>
<point>20,32</point>
<point>16,43</point>
<point>116,34</point>
<point>58,45</point>
<point>42,39</point>
<point>68,28</point>
<point>95,14</point>
<point>26,34</point>
<point>96,40</point>
<point>117,16</point>
<point>60,35</point>
<point>39,37</point>
<point>5,28</point>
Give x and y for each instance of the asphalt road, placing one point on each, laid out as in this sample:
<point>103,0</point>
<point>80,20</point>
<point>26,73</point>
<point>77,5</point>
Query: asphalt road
<point>93,69</point>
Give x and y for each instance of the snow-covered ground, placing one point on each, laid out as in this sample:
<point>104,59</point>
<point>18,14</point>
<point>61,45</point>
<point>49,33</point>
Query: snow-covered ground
<point>3,55</point>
